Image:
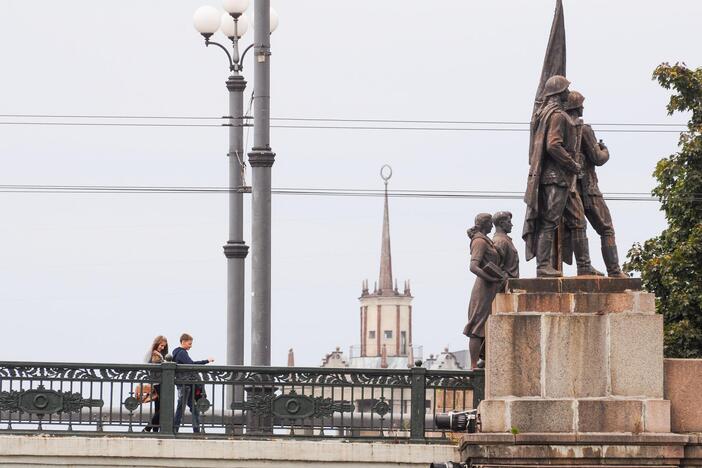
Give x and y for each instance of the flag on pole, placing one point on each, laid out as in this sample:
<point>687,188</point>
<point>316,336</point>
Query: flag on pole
<point>555,58</point>
<point>554,64</point>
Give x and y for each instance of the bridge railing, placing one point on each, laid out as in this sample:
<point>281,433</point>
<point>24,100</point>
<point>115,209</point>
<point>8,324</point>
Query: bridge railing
<point>233,400</point>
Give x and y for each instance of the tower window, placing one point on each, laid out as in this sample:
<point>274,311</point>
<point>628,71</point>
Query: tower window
<point>371,334</point>
<point>388,334</point>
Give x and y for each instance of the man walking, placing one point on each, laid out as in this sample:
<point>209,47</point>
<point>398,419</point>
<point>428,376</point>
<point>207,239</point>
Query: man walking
<point>594,153</point>
<point>186,393</point>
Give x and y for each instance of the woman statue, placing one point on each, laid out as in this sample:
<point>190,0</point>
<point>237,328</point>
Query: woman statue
<point>484,261</point>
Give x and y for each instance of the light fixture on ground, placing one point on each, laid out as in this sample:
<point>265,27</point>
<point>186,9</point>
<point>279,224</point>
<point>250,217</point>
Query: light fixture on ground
<point>233,24</point>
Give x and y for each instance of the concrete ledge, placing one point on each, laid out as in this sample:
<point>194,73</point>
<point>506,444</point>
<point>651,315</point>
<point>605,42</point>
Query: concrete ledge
<point>574,449</point>
<point>42,450</point>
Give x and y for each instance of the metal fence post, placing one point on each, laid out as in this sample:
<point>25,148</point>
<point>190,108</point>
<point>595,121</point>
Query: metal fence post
<point>478,380</point>
<point>167,397</point>
<point>418,398</point>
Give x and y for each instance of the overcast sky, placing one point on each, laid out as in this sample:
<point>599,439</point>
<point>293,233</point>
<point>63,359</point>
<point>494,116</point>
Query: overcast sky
<point>87,277</point>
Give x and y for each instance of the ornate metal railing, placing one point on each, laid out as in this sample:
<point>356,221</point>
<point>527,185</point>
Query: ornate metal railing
<point>233,400</point>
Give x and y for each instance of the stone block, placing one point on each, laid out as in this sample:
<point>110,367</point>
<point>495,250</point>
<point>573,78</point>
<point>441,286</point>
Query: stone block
<point>541,415</point>
<point>493,415</point>
<point>575,350</point>
<point>544,302</point>
<point>513,349</point>
<point>657,416</point>
<point>542,285</point>
<point>636,355</point>
<point>646,303</point>
<point>504,303</point>
<point>610,416</point>
<point>682,384</point>
<point>603,303</point>
<point>578,284</point>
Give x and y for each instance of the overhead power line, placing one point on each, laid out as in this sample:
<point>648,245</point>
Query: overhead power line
<point>316,123</point>
<point>319,119</point>
<point>92,116</point>
<point>108,124</point>
<point>455,129</point>
<point>328,192</point>
<point>317,127</point>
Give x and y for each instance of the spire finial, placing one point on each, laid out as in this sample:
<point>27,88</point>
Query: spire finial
<point>385,255</point>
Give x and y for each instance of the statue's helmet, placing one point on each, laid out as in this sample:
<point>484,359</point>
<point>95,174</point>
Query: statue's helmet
<point>555,85</point>
<point>575,101</point>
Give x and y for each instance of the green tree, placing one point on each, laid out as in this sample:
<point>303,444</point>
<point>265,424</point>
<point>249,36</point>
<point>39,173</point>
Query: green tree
<point>671,264</point>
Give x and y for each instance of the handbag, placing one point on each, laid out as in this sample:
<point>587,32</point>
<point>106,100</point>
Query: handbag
<point>200,392</point>
<point>145,393</point>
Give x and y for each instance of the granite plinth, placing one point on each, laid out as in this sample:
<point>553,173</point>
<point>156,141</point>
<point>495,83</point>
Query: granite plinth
<point>557,355</point>
<point>575,355</point>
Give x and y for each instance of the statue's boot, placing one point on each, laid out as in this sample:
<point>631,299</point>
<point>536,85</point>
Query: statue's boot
<point>544,269</point>
<point>581,248</point>
<point>611,258</point>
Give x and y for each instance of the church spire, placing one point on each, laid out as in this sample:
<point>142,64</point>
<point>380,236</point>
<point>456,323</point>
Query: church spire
<point>385,282</point>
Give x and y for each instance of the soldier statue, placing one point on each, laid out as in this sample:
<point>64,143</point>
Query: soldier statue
<point>590,154</point>
<point>509,257</point>
<point>551,194</point>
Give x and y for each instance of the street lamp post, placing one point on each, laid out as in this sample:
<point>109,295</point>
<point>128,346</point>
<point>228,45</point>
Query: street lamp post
<point>261,159</point>
<point>233,24</point>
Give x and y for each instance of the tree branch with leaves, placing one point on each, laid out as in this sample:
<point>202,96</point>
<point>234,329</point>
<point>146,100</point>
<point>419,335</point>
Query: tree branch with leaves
<point>671,263</point>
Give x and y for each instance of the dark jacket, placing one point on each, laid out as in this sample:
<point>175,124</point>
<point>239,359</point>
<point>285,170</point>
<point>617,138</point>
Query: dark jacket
<point>181,356</point>
<point>595,155</point>
<point>558,166</point>
<point>550,162</point>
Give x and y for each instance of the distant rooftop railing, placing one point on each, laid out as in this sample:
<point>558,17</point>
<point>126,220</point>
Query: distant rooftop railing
<point>233,401</point>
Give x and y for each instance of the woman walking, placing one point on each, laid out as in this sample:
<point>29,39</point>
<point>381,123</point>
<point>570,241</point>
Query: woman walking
<point>156,355</point>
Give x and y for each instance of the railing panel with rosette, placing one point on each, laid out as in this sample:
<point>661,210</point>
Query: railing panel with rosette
<point>233,400</point>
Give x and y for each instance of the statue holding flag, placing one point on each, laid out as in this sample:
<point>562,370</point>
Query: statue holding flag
<point>555,216</point>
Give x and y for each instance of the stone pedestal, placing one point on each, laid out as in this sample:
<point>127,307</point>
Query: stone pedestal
<point>574,355</point>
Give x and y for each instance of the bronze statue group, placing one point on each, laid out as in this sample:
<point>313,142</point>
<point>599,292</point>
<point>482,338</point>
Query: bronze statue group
<point>562,195</point>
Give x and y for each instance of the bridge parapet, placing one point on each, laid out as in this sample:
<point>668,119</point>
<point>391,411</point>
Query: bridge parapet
<point>233,400</point>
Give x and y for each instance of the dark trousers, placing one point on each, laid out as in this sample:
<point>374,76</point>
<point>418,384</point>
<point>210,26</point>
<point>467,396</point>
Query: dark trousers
<point>155,423</point>
<point>598,214</point>
<point>558,203</point>
<point>186,395</point>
